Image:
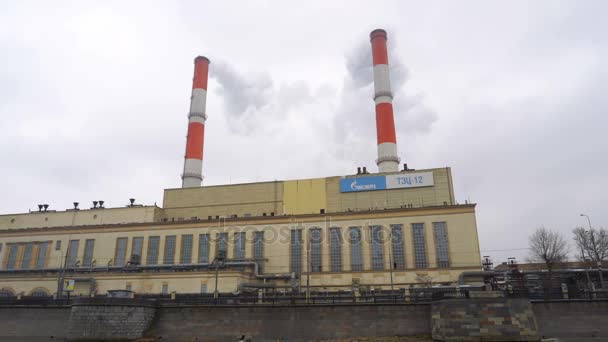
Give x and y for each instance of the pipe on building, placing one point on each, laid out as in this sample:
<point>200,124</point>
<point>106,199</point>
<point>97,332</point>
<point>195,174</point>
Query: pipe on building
<point>193,160</point>
<point>243,286</point>
<point>256,270</point>
<point>388,158</point>
<point>478,274</point>
<point>245,263</point>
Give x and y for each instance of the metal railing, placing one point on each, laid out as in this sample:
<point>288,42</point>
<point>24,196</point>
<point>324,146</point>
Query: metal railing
<point>401,296</point>
<point>558,294</point>
<point>34,301</point>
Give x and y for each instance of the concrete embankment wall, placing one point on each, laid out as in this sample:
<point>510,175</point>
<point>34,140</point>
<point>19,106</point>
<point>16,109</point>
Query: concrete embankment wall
<point>572,320</point>
<point>567,320</point>
<point>34,323</point>
<point>296,323</point>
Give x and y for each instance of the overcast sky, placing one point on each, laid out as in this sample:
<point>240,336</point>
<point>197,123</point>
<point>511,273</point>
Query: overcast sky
<point>512,95</point>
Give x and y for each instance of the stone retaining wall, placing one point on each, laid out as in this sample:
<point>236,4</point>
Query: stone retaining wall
<point>92,320</point>
<point>483,319</point>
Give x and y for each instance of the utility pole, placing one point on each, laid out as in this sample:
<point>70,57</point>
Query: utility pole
<point>61,274</point>
<point>215,292</point>
<point>308,266</point>
<point>390,259</point>
<point>221,255</point>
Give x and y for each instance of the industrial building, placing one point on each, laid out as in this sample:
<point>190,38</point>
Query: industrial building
<point>396,228</point>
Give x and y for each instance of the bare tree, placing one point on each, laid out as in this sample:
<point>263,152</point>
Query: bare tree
<point>593,246</point>
<point>592,243</point>
<point>549,247</point>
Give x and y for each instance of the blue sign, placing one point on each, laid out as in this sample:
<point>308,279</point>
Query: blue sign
<point>395,181</point>
<point>363,184</point>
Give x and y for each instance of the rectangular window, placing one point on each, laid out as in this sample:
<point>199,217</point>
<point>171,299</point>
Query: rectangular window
<point>89,245</point>
<point>296,251</point>
<point>13,253</point>
<point>169,256</point>
<point>137,248</point>
<point>315,250</point>
<point>186,250</point>
<point>73,252</point>
<point>128,287</point>
<point>419,245</point>
<point>258,249</point>
<point>1,246</point>
<point>397,247</point>
<point>153,246</point>
<point>42,250</point>
<point>356,259</point>
<point>221,245</point>
<point>27,255</point>
<point>165,289</point>
<point>377,248</point>
<point>441,244</point>
<point>203,288</point>
<point>335,249</point>
<point>203,248</point>
<point>58,245</point>
<point>121,251</point>
<point>239,245</point>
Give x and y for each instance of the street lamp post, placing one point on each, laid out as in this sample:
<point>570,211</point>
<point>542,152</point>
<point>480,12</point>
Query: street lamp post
<point>599,262</point>
<point>588,220</point>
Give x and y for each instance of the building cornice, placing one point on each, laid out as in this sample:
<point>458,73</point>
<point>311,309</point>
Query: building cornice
<point>248,221</point>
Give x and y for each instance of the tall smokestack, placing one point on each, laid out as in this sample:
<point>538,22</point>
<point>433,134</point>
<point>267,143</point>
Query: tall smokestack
<point>388,160</point>
<point>193,163</point>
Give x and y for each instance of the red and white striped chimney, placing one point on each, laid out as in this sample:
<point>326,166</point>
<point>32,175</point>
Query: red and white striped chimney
<point>193,163</point>
<point>388,159</point>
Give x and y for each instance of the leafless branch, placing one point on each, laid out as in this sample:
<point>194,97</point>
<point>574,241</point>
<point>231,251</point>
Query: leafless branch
<point>548,246</point>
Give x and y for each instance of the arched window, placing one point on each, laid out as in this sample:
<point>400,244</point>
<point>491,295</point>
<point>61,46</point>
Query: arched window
<point>40,292</point>
<point>6,293</point>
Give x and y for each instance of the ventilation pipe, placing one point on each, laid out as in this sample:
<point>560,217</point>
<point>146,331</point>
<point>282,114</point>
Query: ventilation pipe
<point>193,163</point>
<point>388,160</point>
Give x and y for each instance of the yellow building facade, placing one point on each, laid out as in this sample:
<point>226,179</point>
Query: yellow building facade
<point>377,231</point>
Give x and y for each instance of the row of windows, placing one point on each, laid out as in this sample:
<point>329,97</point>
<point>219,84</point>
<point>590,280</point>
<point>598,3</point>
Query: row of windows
<point>186,248</point>
<point>377,262</point>
<point>34,254</point>
<point>29,255</point>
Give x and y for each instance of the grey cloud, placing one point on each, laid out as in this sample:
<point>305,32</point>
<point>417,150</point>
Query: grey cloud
<point>241,93</point>
<point>252,101</point>
<point>358,66</point>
